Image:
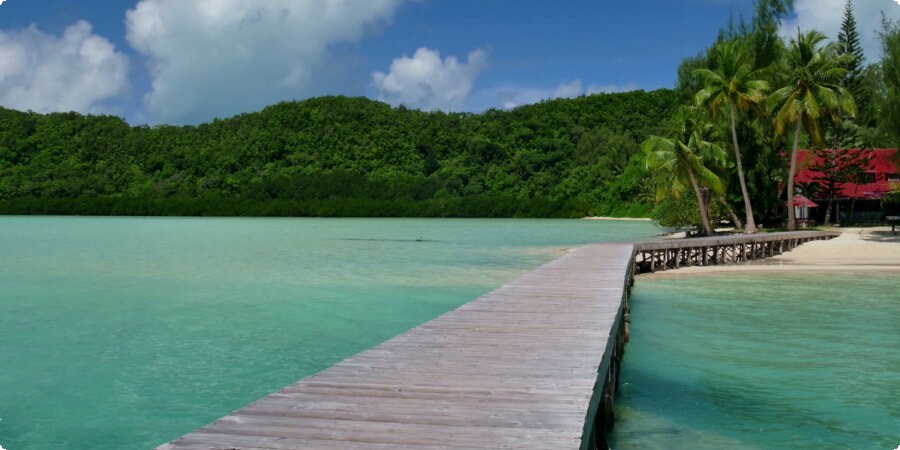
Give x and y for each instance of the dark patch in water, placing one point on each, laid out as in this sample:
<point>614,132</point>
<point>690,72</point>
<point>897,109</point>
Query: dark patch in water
<point>389,240</point>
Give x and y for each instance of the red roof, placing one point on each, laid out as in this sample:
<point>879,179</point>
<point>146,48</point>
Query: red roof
<point>880,166</point>
<point>801,200</point>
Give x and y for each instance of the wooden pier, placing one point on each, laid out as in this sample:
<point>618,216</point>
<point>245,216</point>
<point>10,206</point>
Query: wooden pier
<point>533,364</point>
<point>676,253</point>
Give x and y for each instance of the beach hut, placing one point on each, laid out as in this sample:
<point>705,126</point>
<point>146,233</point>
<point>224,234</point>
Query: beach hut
<point>802,205</point>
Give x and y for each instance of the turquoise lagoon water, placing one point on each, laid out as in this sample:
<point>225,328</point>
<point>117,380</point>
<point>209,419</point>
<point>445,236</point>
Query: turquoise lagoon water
<point>124,333</point>
<point>779,361</point>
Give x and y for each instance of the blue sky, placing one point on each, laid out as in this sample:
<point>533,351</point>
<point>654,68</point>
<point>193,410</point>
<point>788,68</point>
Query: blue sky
<point>188,61</point>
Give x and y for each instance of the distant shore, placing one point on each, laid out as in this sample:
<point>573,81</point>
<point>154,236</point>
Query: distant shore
<point>856,250</point>
<point>617,218</point>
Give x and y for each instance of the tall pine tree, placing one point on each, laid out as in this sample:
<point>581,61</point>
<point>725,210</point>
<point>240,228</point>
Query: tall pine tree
<point>848,42</point>
<point>767,45</point>
<point>835,168</point>
<point>846,133</point>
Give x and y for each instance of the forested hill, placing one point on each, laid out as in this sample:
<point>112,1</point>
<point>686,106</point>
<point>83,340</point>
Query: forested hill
<point>339,156</point>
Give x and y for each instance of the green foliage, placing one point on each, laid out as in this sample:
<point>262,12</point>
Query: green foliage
<point>733,83</point>
<point>335,156</point>
<point>688,156</point>
<point>838,167</point>
<point>869,104</point>
<point>760,46</point>
<point>823,87</point>
<point>810,94</point>
<point>683,212</point>
<point>768,48</point>
<point>848,44</point>
<point>891,203</point>
<point>734,86</point>
<point>889,119</point>
<point>812,91</point>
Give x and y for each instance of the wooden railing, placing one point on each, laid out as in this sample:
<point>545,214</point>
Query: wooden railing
<point>676,253</point>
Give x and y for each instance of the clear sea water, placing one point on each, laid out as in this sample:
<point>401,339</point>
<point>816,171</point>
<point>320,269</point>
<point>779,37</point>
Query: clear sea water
<point>125,333</point>
<point>778,361</point>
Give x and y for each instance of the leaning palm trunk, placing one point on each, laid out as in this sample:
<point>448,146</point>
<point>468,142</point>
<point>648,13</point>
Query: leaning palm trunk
<point>730,210</point>
<point>792,221</point>
<point>751,224</point>
<point>701,203</point>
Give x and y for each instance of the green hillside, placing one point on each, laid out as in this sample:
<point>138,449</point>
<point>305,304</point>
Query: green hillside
<point>339,156</point>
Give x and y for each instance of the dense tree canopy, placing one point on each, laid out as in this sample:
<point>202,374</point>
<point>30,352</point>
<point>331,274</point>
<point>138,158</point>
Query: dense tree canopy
<point>339,156</point>
<point>820,96</point>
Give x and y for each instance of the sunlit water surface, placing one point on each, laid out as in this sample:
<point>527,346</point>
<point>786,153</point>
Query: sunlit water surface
<point>780,361</point>
<point>124,333</point>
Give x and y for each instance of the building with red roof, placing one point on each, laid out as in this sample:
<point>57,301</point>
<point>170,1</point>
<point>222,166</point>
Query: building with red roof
<point>860,201</point>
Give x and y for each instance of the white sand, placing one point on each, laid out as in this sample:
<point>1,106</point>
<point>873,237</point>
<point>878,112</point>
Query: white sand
<point>644,219</point>
<point>855,250</point>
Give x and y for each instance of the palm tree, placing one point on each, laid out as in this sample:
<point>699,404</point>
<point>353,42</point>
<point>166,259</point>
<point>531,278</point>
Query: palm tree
<point>812,91</point>
<point>732,86</point>
<point>687,157</point>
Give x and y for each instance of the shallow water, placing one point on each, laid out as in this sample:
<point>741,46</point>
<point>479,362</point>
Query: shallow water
<point>762,362</point>
<point>124,333</point>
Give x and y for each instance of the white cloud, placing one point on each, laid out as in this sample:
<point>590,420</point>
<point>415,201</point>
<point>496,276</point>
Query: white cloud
<point>827,15</point>
<point>610,88</point>
<point>508,96</point>
<point>211,58</point>
<point>77,71</point>
<point>426,81</point>
<point>569,90</point>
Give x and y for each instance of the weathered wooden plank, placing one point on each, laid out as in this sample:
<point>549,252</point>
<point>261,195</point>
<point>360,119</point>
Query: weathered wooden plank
<point>211,441</point>
<point>448,417</point>
<point>520,367</point>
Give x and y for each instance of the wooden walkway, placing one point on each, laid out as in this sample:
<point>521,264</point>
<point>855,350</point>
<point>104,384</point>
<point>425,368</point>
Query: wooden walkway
<point>675,253</point>
<point>532,364</point>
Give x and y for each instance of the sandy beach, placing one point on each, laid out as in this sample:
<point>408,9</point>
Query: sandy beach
<point>872,249</point>
<point>645,219</point>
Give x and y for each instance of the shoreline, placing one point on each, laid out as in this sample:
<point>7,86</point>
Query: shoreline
<point>642,219</point>
<point>856,250</point>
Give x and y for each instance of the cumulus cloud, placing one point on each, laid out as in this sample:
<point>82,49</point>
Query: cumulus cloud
<point>569,90</point>
<point>508,97</point>
<point>610,88</point>
<point>211,58</point>
<point>426,81</point>
<point>826,16</point>
<point>77,71</point>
